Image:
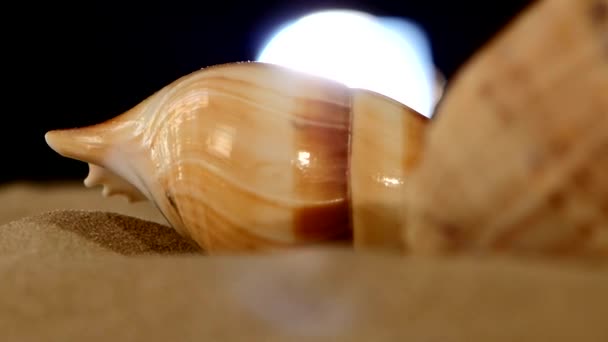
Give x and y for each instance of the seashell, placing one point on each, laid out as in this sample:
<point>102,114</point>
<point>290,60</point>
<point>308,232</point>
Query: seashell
<point>516,159</point>
<point>253,156</point>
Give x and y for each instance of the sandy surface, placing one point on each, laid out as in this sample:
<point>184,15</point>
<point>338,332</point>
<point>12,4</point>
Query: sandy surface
<point>22,199</point>
<point>79,267</point>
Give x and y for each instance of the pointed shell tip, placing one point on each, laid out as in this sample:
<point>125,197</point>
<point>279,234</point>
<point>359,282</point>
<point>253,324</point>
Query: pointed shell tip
<point>51,139</point>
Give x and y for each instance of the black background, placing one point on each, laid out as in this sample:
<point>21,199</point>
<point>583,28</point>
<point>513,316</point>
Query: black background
<point>76,64</point>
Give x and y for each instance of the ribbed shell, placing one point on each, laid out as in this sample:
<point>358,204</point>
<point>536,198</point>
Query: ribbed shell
<point>517,157</point>
<point>253,156</point>
<point>247,157</point>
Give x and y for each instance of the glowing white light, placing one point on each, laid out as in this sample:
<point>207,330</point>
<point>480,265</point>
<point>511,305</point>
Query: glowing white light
<point>303,159</point>
<point>388,55</point>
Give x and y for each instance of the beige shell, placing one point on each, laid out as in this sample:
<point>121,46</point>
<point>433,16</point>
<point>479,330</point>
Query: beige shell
<point>253,156</point>
<point>517,156</point>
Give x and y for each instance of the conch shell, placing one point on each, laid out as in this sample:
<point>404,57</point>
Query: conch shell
<point>253,156</point>
<point>516,159</point>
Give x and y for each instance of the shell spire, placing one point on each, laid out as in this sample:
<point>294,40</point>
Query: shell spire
<point>86,144</point>
<point>92,144</point>
<point>105,148</point>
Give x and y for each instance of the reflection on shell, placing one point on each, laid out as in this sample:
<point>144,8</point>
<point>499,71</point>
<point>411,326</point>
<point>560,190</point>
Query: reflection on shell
<point>251,156</point>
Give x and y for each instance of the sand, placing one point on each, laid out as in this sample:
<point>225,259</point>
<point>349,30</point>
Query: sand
<point>75,266</point>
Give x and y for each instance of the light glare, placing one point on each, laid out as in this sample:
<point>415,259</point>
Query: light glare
<point>391,56</point>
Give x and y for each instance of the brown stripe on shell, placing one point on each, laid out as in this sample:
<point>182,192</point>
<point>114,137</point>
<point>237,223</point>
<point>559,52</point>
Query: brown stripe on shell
<point>327,222</point>
<point>226,236</point>
<point>272,118</point>
<point>385,142</point>
<point>320,168</point>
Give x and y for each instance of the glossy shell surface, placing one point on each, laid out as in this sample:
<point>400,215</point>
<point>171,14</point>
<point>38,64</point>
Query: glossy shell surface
<point>249,156</point>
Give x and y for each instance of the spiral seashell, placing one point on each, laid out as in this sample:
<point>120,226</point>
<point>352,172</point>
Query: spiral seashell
<point>253,156</point>
<point>516,159</point>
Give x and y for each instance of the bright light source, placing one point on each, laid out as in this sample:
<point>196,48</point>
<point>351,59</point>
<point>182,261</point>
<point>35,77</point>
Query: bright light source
<point>388,55</point>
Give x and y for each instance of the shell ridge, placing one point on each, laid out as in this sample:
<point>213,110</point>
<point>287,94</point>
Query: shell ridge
<point>581,151</point>
<point>262,230</point>
<point>275,200</point>
<point>233,96</point>
<point>568,165</point>
<point>298,120</point>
